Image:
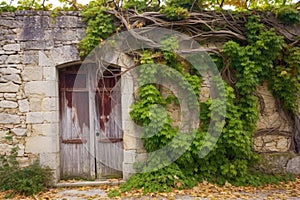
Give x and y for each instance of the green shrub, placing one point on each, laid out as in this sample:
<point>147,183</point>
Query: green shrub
<point>288,15</point>
<point>26,181</point>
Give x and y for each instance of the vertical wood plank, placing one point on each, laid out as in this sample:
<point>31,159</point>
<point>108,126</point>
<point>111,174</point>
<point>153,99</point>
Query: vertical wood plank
<point>75,161</point>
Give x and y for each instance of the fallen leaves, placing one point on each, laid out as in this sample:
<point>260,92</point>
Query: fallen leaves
<point>202,190</point>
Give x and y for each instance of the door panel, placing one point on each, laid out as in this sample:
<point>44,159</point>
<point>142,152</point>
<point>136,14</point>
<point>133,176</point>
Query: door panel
<point>109,140</point>
<point>91,132</point>
<point>74,118</point>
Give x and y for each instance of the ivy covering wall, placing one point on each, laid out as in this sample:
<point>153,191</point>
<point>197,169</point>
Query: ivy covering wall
<point>252,53</point>
<point>256,49</point>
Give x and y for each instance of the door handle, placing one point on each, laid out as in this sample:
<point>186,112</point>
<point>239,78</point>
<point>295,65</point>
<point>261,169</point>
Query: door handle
<point>97,134</point>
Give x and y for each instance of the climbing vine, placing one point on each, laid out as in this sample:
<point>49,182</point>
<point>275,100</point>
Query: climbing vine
<point>285,78</point>
<point>250,64</point>
<point>253,53</point>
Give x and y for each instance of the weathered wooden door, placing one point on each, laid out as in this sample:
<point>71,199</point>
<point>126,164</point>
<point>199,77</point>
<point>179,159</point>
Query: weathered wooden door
<point>90,123</point>
<point>109,135</point>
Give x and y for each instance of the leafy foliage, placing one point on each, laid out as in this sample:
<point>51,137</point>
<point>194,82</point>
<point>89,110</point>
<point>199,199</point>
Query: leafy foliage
<point>285,78</point>
<point>26,181</point>
<point>232,155</point>
<point>259,59</point>
<point>99,26</point>
<point>288,15</point>
<point>4,7</point>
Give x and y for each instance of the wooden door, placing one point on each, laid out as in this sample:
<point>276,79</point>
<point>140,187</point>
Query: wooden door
<point>109,134</point>
<point>74,123</point>
<point>90,123</point>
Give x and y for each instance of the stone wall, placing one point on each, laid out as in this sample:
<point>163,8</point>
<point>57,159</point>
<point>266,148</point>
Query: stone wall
<point>32,45</point>
<point>274,135</point>
<point>274,129</point>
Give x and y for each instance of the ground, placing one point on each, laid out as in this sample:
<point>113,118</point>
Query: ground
<point>203,191</point>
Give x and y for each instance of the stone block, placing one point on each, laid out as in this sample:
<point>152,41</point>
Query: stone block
<point>12,77</point>
<point>10,23</point>
<point>283,144</point>
<point>46,129</point>
<point>34,27</point>
<point>270,147</point>
<point>14,59</point>
<point>129,156</point>
<point>10,96</point>
<point>49,159</point>
<point>34,117</point>
<point>12,47</point>
<point>35,104</point>
<point>23,105</point>
<point>293,166</point>
<point>32,74</point>
<point>132,142</point>
<point>50,104</point>
<point>8,104</point>
<point>125,110</point>
<point>131,128</point>
<point>40,117</point>
<point>45,61</point>
<point>51,117</point>
<point>9,118</point>
<point>21,150</point>
<point>9,70</point>
<point>128,168</point>
<point>9,52</point>
<point>63,34</point>
<point>5,149</point>
<point>67,21</point>
<point>271,117</point>
<point>31,57</point>
<point>41,144</point>
<point>3,58</point>
<point>64,54</point>
<point>19,131</point>
<point>80,34</point>
<point>47,88</point>
<point>272,143</point>
<point>49,73</point>
<point>37,45</point>
<point>274,163</point>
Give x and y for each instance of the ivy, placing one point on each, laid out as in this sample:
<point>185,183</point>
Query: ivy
<point>285,79</point>
<point>263,57</point>
<point>232,155</point>
<point>288,15</point>
<point>99,26</point>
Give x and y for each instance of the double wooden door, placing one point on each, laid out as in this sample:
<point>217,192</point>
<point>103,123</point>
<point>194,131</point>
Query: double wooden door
<point>91,139</point>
